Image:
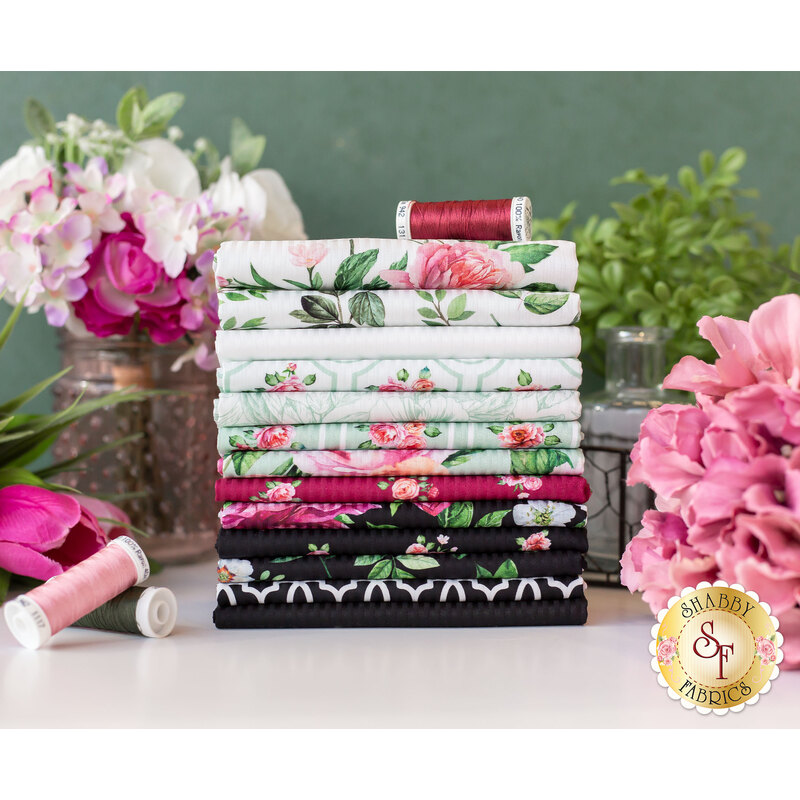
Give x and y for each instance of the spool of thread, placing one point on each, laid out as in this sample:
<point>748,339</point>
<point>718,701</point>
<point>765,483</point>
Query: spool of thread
<point>482,220</point>
<point>34,618</point>
<point>150,611</point>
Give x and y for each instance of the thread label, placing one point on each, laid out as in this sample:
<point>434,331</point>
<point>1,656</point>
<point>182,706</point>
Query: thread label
<point>521,219</point>
<point>35,613</point>
<point>403,219</point>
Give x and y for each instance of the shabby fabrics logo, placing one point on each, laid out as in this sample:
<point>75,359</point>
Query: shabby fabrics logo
<point>716,648</point>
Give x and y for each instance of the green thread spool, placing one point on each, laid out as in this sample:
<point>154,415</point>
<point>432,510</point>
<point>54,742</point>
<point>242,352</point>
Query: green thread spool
<point>150,611</point>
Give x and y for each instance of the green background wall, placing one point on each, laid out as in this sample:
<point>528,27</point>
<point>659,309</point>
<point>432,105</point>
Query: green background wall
<point>351,144</point>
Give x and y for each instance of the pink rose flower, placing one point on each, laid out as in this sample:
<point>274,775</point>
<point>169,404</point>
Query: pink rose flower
<point>291,384</point>
<point>274,437</point>
<point>416,549</point>
<point>44,533</point>
<point>281,493</point>
<point>766,650</point>
<point>536,541</point>
<point>412,443</point>
<point>405,489</point>
<point>667,648</point>
<point>386,434</point>
<point>525,434</point>
<point>532,483</point>
<point>292,367</point>
<point>457,265</point>
<point>433,492</point>
<point>422,385</point>
<point>415,428</point>
<point>393,385</point>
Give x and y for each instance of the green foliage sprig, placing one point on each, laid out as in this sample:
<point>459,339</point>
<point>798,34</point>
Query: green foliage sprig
<point>675,253</point>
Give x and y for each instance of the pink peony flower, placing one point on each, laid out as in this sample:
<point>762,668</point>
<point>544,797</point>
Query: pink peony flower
<point>274,437</point>
<point>281,493</point>
<point>369,462</point>
<point>412,443</point>
<point>290,515</point>
<point>422,385</point>
<point>526,434</point>
<point>415,428</point>
<point>667,648</point>
<point>43,533</point>
<point>393,385</point>
<point>405,489</point>
<point>536,541</point>
<point>416,549</point>
<point>457,265</point>
<point>386,434</point>
<point>307,255</point>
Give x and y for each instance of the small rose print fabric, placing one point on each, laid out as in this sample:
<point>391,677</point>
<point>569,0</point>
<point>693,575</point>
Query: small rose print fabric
<point>233,544</point>
<point>409,375</point>
<point>398,343</point>
<point>401,436</point>
<point>404,614</point>
<point>274,408</point>
<point>352,463</point>
<point>404,514</point>
<point>566,488</point>
<point>248,309</point>
<point>409,566</point>
<point>372,265</point>
<point>487,590</point>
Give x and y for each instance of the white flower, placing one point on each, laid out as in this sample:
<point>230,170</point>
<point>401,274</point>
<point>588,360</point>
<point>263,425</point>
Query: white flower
<point>26,164</point>
<point>264,197</point>
<point>158,165</point>
<point>170,232</point>
<point>234,570</point>
<point>542,513</point>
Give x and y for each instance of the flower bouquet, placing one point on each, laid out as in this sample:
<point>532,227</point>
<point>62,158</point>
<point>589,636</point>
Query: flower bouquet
<point>111,231</point>
<point>44,529</point>
<point>726,471</point>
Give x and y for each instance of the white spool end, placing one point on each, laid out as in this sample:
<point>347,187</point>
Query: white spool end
<point>136,555</point>
<point>27,622</point>
<point>402,220</point>
<point>521,219</point>
<point>156,612</point>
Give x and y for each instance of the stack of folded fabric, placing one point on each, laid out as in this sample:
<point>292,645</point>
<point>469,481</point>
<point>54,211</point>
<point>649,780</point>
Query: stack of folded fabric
<point>398,434</point>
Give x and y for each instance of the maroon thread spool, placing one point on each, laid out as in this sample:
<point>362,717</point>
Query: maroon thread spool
<point>509,220</point>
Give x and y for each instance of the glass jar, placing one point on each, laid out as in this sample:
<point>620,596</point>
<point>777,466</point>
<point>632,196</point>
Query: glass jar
<point>164,479</point>
<point>635,370</point>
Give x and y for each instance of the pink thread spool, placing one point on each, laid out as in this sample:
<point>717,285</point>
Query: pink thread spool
<point>509,220</point>
<point>35,617</point>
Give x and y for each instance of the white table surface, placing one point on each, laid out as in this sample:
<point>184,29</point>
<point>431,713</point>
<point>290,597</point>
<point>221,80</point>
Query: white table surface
<point>597,675</point>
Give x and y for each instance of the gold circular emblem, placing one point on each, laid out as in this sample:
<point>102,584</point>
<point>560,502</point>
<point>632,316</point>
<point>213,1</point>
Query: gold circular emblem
<point>716,648</point>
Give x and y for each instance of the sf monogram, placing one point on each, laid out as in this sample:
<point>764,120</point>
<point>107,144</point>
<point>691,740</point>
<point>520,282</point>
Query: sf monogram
<point>711,647</point>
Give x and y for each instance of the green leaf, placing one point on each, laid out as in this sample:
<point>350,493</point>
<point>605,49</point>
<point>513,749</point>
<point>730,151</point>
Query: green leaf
<point>309,380</point>
<point>428,313</point>
<point>252,323</point>
<point>440,294</point>
<point>393,506</point>
<point>373,525</point>
<point>508,569</point>
<point>10,406</point>
<point>401,573</point>
<point>536,462</point>
<point>284,559</point>
<point>353,269</point>
<point>236,296</point>
<point>303,317</point>
<point>418,561</point>
<point>402,375</point>
<point>529,254</point>
<point>365,561</point>
<point>456,515</point>
<point>243,460</point>
<point>320,308</point>
<point>5,582</point>
<point>5,332</point>
<point>381,570</point>
<point>492,520</point>
<point>545,303</point>
<point>426,296</point>
<point>229,324</point>
<point>259,281</point>
<point>135,96</point>
<point>401,264</point>
<point>155,116</point>
<point>70,464</point>
<point>541,287</point>
<point>246,149</point>
<point>457,306</point>
<point>550,441</point>
<point>524,378</point>
<point>383,485</point>
<point>38,120</point>
<point>10,476</point>
<point>345,518</point>
<point>367,309</point>
<point>457,457</point>
<point>482,572</point>
<point>432,431</point>
<point>284,468</point>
